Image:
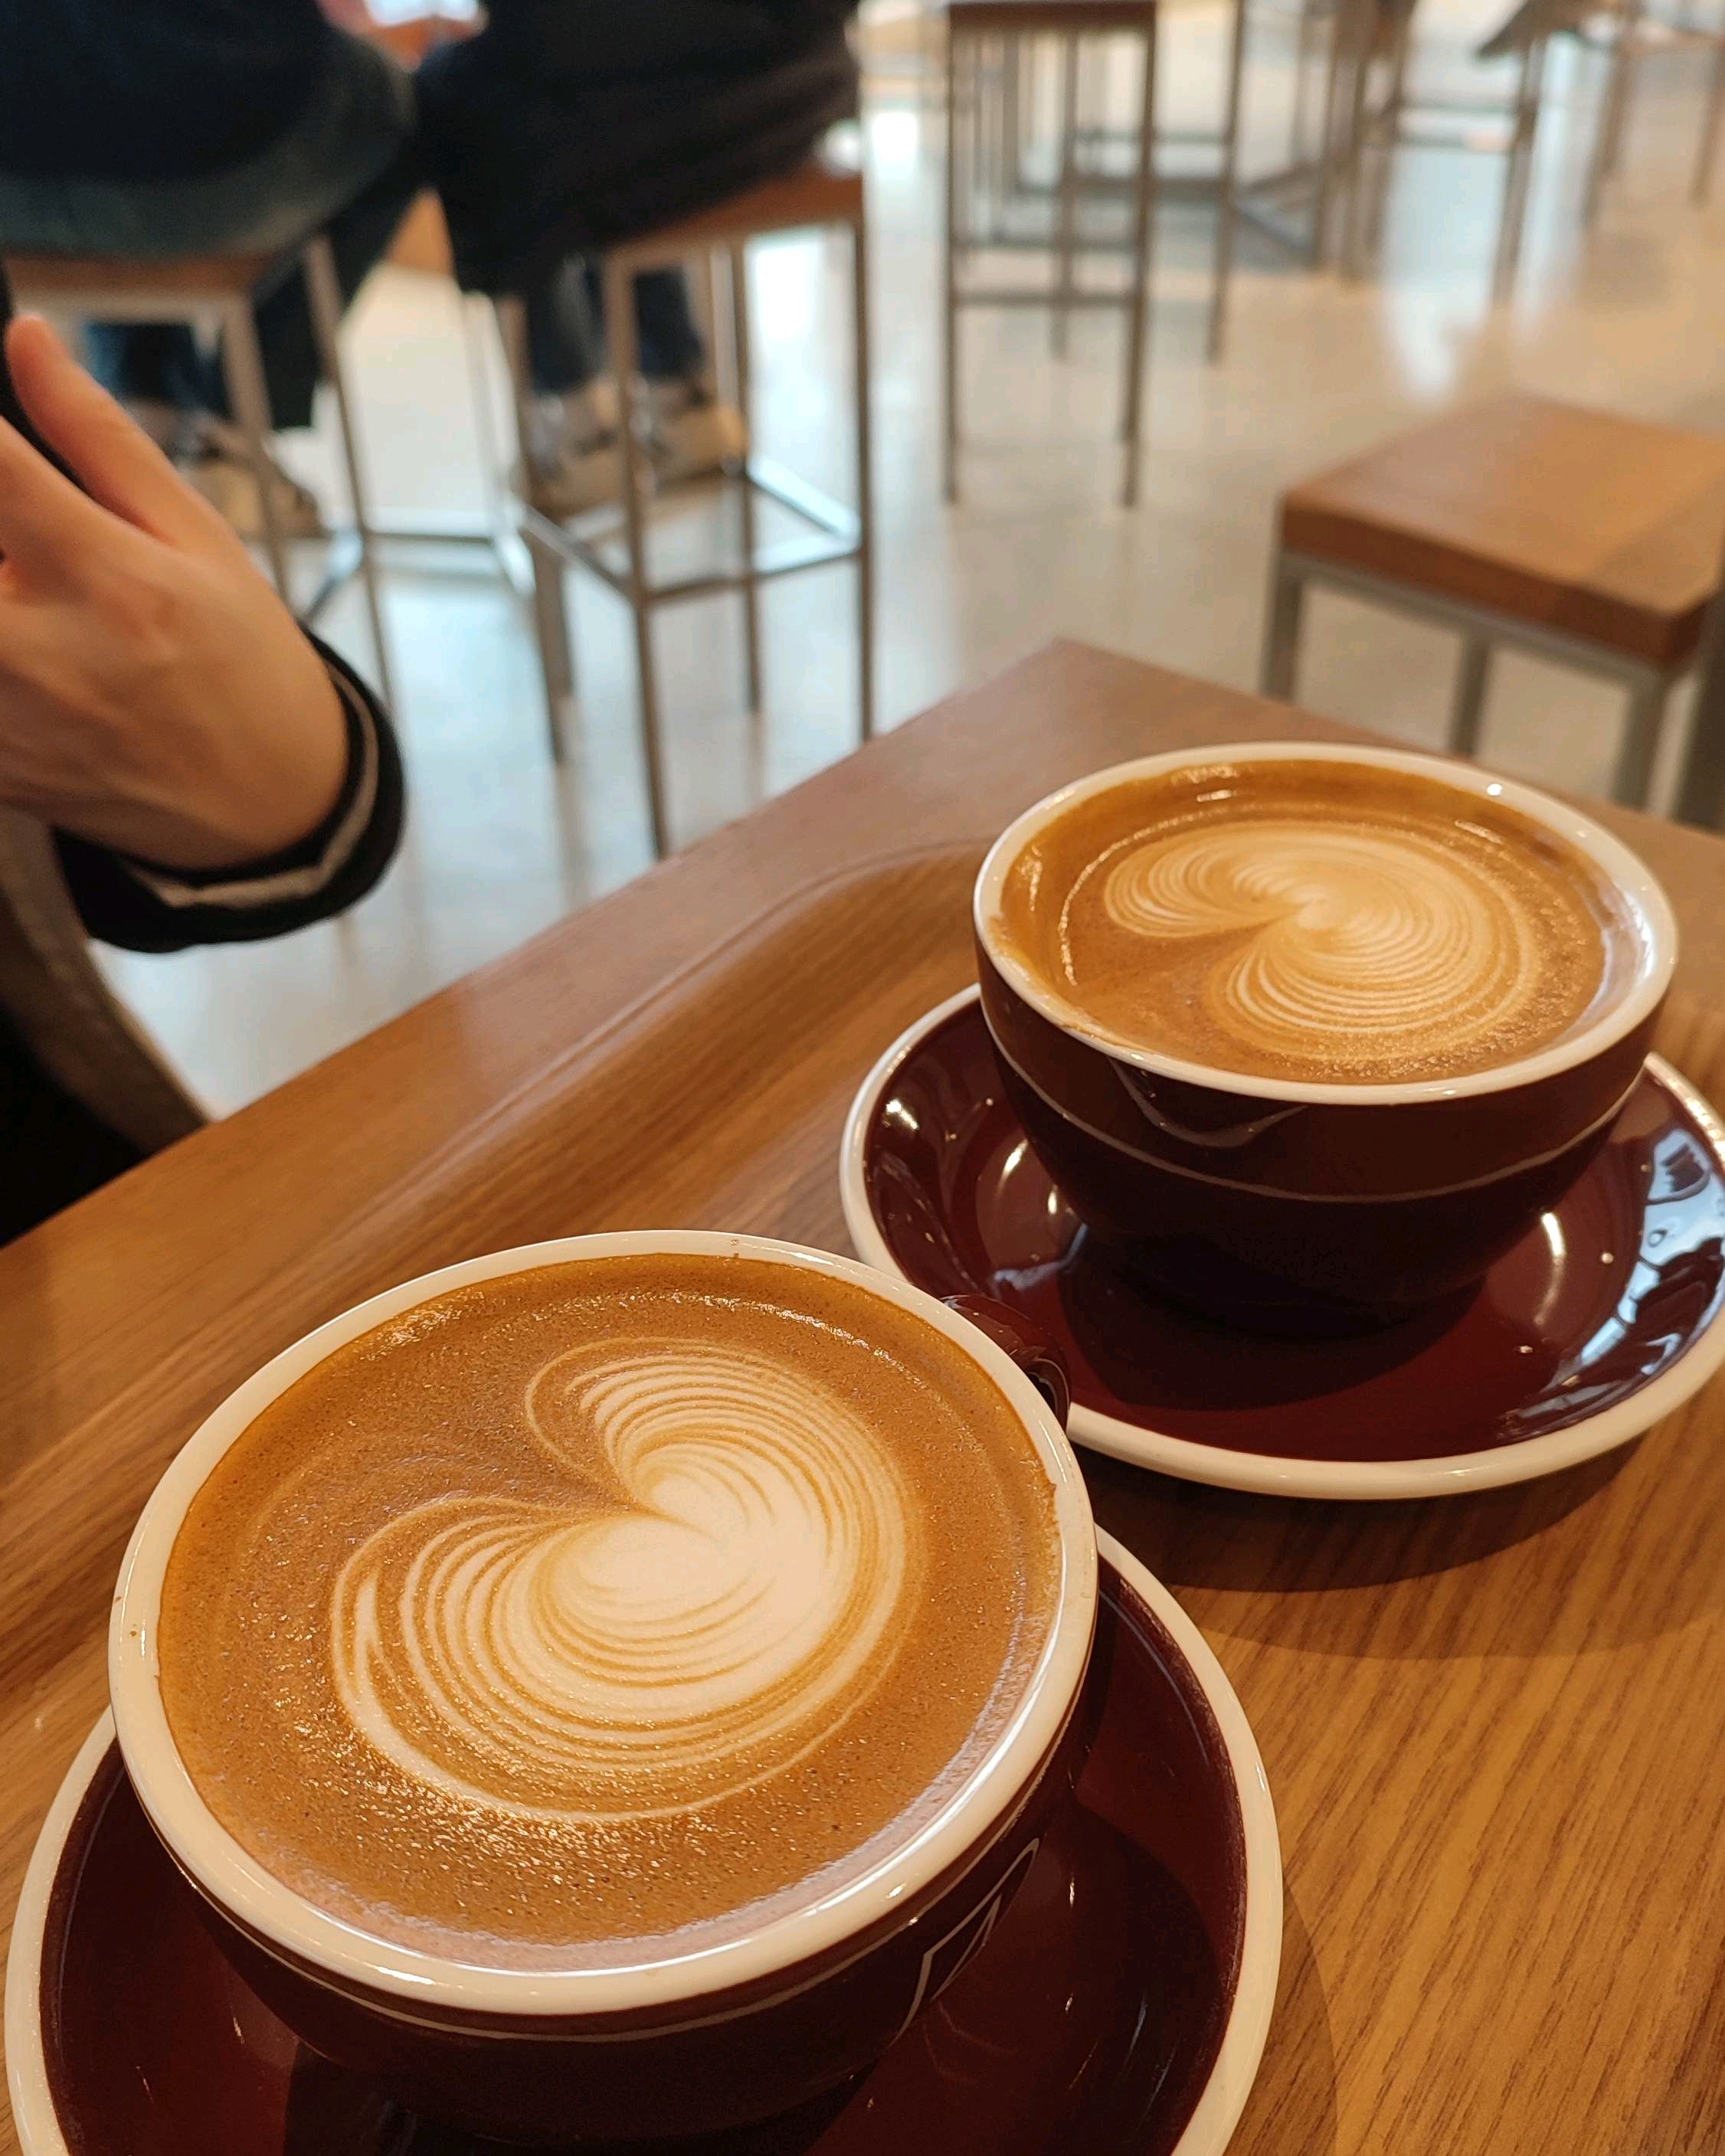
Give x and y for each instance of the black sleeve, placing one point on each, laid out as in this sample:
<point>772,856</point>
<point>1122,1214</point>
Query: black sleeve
<point>142,906</point>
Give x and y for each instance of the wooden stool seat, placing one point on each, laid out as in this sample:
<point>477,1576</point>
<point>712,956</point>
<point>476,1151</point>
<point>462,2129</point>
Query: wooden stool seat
<point>821,191</point>
<point>67,277</point>
<point>1590,539</point>
<point>1603,528</point>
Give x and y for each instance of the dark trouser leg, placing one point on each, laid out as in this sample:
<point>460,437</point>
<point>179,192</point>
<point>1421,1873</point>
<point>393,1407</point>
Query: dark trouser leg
<point>566,331</point>
<point>566,337</point>
<point>147,362</point>
<point>359,236</point>
<point>670,344</point>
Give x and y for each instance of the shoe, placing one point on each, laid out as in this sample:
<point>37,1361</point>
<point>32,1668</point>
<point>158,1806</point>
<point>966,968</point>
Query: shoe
<point>219,465</point>
<point>690,434</point>
<point>573,478</point>
<point>574,453</point>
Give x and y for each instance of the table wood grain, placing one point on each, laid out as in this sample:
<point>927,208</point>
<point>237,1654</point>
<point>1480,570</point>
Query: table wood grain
<point>1492,1725</point>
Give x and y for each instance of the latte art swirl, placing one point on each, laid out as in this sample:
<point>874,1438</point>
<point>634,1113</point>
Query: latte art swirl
<point>1384,938</point>
<point>711,1600</point>
<point>605,1601</point>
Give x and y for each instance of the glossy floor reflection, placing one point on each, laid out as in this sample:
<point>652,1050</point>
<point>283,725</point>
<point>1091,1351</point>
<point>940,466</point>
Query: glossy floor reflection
<point>1632,316</point>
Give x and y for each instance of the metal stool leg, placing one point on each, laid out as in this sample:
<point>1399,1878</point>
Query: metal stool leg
<point>1137,318</point>
<point>551,630</point>
<point>1389,131</point>
<point>1060,319</point>
<point>243,364</point>
<point>745,489</point>
<point>979,132</point>
<point>1359,130</point>
<point>949,311</point>
<point>325,292</point>
<point>1701,783</point>
<point>1281,629</point>
<point>865,484</point>
<point>1011,109</point>
<point>620,333</point>
<point>1517,179</point>
<point>1471,677</point>
<point>551,616</point>
<point>479,383</point>
<point>1302,68</point>
<point>1344,26</point>
<point>1708,153</point>
<point>1608,143</point>
<point>1641,742</point>
<point>1222,262</point>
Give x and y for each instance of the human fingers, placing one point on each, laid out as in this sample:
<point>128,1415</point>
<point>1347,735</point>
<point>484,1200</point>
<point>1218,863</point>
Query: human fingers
<point>114,459</point>
<point>48,529</point>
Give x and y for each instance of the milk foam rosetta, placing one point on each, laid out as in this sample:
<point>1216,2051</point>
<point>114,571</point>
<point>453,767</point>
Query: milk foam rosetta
<point>1317,921</point>
<point>718,1609</point>
<point>604,1602</point>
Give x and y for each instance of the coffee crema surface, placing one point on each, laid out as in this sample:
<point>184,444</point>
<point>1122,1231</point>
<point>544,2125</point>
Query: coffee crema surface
<point>601,1605</point>
<point>1319,922</point>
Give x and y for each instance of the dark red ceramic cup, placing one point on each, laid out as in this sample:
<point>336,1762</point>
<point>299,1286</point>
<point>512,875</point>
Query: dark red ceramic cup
<point>1299,1207</point>
<point>768,2021</point>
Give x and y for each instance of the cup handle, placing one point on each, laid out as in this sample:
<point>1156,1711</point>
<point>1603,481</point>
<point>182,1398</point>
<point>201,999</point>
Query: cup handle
<point>1031,1349</point>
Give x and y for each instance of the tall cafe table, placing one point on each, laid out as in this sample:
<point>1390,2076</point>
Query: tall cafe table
<point>1493,1725</point>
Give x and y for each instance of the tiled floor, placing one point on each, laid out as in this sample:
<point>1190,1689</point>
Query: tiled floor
<point>1632,317</point>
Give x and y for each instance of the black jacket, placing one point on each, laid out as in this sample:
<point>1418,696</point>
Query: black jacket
<point>567,126</point>
<point>54,1146</point>
<point>88,92</point>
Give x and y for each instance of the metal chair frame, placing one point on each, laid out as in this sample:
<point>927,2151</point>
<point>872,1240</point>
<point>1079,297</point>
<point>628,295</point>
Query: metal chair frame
<point>1482,629</point>
<point>1376,135</point>
<point>1635,35</point>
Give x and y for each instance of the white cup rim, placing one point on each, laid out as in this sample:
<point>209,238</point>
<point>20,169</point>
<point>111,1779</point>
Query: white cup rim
<point>238,1883</point>
<point>1626,870</point>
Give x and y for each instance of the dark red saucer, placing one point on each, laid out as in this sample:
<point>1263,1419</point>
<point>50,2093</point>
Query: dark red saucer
<point>1601,1320</point>
<point>1120,2004</point>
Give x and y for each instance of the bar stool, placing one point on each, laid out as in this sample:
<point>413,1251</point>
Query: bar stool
<point>220,289</point>
<point>822,193</point>
<point>1405,121</point>
<point>1628,33</point>
<point>1294,207</point>
<point>1575,534</point>
<point>985,32</point>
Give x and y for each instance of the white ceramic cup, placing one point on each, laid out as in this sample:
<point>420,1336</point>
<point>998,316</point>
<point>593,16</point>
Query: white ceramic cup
<point>672,2045</point>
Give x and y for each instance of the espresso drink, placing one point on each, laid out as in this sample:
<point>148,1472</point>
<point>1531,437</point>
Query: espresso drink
<point>1316,920</point>
<point>602,1606</point>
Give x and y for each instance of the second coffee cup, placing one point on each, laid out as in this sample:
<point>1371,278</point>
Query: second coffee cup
<point>1310,1035</point>
<point>609,1688</point>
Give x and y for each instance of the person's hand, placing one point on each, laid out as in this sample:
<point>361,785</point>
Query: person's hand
<point>156,696</point>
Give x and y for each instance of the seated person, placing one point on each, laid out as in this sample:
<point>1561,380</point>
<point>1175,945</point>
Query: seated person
<point>567,125</point>
<point>181,127</point>
<point>189,765</point>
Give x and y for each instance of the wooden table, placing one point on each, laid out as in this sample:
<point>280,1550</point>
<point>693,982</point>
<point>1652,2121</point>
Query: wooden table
<point>1493,1725</point>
